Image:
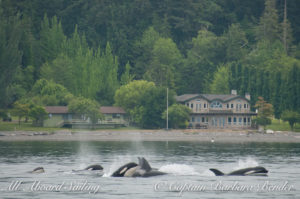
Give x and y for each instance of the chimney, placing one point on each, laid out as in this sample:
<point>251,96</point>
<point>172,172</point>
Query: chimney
<point>233,92</point>
<point>247,96</point>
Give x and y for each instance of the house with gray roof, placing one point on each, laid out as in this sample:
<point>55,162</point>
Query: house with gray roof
<point>60,116</point>
<point>218,111</point>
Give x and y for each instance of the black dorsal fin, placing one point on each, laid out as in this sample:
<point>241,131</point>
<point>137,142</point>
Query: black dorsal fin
<point>38,168</point>
<point>217,172</point>
<point>94,167</point>
<point>143,163</point>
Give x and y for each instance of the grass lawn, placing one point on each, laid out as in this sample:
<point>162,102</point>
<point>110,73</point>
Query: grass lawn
<point>12,126</point>
<point>279,125</point>
<point>128,128</point>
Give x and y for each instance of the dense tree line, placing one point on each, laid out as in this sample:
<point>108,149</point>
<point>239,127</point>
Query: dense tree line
<point>91,48</point>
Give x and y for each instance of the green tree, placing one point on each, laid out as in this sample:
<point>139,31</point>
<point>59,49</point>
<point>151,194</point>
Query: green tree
<point>235,42</point>
<point>10,54</point>
<point>52,38</point>
<point>87,107</point>
<point>28,77</point>
<point>287,35</point>
<point>184,18</point>
<point>48,93</point>
<point>265,112</point>
<point>144,102</point>
<point>162,25</point>
<point>15,89</point>
<point>292,86</point>
<point>21,110</point>
<point>60,70</point>
<point>16,55</point>
<point>22,82</point>
<point>110,77</point>
<point>291,117</point>
<point>38,115</point>
<point>277,95</point>
<point>202,60</point>
<point>4,116</point>
<point>220,83</point>
<point>269,28</point>
<point>178,115</point>
<point>126,76</point>
<point>153,104</point>
<point>130,96</point>
<point>165,60</point>
<point>84,71</point>
<point>143,51</point>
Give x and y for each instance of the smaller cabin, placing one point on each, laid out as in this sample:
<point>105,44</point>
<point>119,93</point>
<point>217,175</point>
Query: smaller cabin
<point>59,116</point>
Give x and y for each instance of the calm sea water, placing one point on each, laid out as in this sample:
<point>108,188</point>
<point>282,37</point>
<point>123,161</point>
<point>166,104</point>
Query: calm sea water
<point>187,163</point>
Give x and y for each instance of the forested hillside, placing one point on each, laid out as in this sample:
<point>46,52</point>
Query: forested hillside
<point>52,50</point>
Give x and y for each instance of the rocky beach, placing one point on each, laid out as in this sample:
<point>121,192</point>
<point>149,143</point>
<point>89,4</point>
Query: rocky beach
<point>207,135</point>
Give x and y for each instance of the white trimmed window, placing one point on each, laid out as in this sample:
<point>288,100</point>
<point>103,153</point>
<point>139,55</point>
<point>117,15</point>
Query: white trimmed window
<point>216,104</point>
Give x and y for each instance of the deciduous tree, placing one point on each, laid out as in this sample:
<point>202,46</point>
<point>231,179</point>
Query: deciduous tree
<point>21,110</point>
<point>178,115</point>
<point>144,102</point>
<point>130,96</point>
<point>38,115</point>
<point>265,112</point>
<point>220,83</point>
<point>291,117</point>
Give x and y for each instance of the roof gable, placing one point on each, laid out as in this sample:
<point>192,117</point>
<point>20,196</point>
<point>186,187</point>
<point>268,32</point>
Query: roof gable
<point>56,109</point>
<point>208,97</point>
<point>103,109</point>
<point>186,97</point>
<point>112,110</point>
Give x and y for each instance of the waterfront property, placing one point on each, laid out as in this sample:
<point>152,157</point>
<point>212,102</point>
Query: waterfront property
<point>59,116</point>
<point>218,111</point>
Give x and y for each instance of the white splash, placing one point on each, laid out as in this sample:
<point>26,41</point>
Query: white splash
<point>111,169</point>
<point>118,161</point>
<point>207,172</point>
<point>178,169</point>
<point>244,163</point>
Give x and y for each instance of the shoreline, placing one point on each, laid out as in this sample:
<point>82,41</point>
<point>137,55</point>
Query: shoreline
<point>219,136</point>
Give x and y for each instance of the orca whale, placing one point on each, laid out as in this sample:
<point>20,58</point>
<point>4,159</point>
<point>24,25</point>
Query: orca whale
<point>122,170</point>
<point>143,169</point>
<point>95,168</point>
<point>38,170</point>
<point>250,171</point>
